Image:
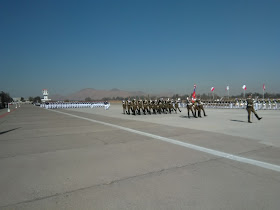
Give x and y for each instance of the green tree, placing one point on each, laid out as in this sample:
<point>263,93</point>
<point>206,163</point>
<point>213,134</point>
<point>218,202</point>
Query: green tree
<point>88,99</point>
<point>31,99</point>
<point>37,99</point>
<point>5,99</point>
<point>22,99</point>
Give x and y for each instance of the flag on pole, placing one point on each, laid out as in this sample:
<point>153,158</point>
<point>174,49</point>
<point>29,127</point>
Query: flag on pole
<point>263,87</point>
<point>193,95</point>
<point>244,87</point>
<point>227,88</point>
<point>212,89</point>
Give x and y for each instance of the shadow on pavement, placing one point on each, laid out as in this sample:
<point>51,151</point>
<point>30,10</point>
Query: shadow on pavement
<point>185,116</point>
<point>3,132</point>
<point>238,121</point>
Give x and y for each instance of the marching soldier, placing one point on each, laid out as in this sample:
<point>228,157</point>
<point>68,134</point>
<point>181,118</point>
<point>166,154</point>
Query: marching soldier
<point>124,106</point>
<point>146,105</point>
<point>190,107</point>
<point>134,106</point>
<point>200,105</point>
<point>150,106</point>
<point>250,108</point>
<point>140,106</point>
<point>196,108</point>
<point>160,106</point>
<point>128,104</point>
<point>154,106</point>
<point>177,105</point>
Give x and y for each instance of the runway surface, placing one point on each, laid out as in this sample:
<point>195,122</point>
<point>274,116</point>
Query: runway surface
<point>96,159</point>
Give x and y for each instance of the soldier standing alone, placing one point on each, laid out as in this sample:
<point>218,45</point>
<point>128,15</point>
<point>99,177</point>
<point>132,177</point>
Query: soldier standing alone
<point>250,108</point>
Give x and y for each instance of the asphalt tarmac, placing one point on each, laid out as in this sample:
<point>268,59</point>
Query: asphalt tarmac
<point>96,159</point>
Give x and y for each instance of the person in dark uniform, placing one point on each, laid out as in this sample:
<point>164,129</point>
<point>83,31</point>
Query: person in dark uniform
<point>250,108</point>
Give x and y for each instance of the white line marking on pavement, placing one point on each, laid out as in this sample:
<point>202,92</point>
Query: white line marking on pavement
<point>191,146</point>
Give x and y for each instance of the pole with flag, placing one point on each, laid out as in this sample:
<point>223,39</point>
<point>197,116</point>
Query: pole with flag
<point>227,91</point>
<point>263,90</point>
<point>193,95</point>
<point>244,88</point>
<point>212,89</point>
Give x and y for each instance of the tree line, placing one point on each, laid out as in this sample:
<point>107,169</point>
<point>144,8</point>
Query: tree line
<point>5,98</point>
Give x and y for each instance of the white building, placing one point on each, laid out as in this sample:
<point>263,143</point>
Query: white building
<point>45,94</point>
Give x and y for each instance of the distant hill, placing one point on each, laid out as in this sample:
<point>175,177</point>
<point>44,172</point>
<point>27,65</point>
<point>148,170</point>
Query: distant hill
<point>97,94</point>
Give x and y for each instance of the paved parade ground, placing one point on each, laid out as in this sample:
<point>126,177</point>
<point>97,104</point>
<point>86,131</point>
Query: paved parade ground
<point>102,159</point>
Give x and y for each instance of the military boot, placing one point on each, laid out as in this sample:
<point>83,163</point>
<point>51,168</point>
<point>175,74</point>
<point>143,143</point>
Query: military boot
<point>249,120</point>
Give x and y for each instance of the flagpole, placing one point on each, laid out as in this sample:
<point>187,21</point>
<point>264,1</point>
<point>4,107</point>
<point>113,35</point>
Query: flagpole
<point>263,94</point>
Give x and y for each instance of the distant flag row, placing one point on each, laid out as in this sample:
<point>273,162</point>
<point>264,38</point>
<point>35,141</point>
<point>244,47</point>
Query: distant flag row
<point>244,87</point>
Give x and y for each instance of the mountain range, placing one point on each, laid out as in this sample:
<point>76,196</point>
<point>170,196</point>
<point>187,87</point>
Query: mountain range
<point>95,94</point>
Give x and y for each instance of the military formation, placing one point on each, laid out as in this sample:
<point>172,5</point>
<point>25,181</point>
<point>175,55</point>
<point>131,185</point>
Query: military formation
<point>242,104</point>
<point>136,107</point>
<point>66,105</point>
<point>161,106</point>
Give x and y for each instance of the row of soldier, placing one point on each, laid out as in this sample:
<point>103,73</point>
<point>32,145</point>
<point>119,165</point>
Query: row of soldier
<point>161,106</point>
<point>65,105</point>
<point>241,104</point>
<point>150,106</point>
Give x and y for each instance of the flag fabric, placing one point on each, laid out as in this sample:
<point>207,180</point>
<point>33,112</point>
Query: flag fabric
<point>212,89</point>
<point>227,88</point>
<point>193,95</point>
<point>263,87</point>
<point>244,87</point>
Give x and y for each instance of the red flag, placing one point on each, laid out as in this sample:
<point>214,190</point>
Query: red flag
<point>212,89</point>
<point>244,87</point>
<point>193,95</point>
<point>263,87</point>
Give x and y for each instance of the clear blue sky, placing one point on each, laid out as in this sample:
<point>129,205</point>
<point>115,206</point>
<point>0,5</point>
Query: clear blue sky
<point>147,45</point>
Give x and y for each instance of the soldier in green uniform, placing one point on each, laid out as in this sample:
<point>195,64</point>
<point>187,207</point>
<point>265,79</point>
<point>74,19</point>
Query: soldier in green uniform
<point>190,107</point>
<point>124,106</point>
<point>250,108</point>
<point>160,106</point>
<point>140,106</point>
<point>176,105</point>
<point>150,106</point>
<point>128,103</point>
<point>134,106</point>
<point>200,105</point>
<point>196,108</point>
